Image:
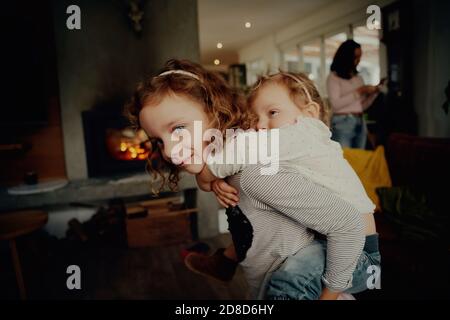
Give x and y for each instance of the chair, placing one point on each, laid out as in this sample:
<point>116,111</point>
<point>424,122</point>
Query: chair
<point>14,225</point>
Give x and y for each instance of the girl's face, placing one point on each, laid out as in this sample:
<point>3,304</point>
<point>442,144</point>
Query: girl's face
<point>171,115</point>
<point>274,107</point>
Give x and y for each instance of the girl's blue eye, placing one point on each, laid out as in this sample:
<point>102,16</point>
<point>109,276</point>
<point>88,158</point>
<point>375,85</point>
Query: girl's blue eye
<point>178,129</point>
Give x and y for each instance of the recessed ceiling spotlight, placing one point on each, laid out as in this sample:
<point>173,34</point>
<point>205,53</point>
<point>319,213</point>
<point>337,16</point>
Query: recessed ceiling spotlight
<point>219,45</point>
<point>248,25</point>
<point>216,62</point>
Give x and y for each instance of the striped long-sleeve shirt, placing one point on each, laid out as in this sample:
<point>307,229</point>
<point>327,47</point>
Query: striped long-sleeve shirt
<point>281,209</point>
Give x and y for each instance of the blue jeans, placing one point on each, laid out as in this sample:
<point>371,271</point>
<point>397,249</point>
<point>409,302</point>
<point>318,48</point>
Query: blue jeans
<point>349,130</point>
<point>299,277</point>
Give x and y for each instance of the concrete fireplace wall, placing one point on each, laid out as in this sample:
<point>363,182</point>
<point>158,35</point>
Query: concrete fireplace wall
<point>101,63</point>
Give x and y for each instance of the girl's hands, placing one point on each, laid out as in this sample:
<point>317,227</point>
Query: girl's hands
<point>225,194</point>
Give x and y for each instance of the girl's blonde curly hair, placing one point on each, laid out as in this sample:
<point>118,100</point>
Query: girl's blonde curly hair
<point>225,107</point>
<point>301,89</point>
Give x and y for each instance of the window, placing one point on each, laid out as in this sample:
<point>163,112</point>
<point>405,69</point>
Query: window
<point>311,60</point>
<point>369,67</point>
<point>254,70</point>
<point>314,57</point>
<point>291,60</point>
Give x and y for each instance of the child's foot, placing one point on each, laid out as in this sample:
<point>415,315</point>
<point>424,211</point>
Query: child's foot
<point>199,247</point>
<point>216,266</point>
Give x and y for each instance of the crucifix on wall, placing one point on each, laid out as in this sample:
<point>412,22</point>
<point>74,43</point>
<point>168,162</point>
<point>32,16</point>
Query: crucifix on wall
<point>136,14</point>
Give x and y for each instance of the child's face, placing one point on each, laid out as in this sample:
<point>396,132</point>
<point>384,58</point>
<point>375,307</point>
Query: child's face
<point>274,107</point>
<point>176,112</point>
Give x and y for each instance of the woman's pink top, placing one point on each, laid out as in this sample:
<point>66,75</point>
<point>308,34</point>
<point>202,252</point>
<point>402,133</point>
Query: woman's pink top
<point>344,97</point>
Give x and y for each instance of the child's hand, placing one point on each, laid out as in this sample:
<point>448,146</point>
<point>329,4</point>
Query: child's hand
<point>225,194</point>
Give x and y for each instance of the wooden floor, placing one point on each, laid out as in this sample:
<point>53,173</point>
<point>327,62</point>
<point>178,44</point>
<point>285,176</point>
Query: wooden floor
<point>159,273</point>
<point>117,272</point>
<point>121,273</point>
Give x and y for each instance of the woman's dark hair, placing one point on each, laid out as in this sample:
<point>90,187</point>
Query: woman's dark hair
<point>344,59</point>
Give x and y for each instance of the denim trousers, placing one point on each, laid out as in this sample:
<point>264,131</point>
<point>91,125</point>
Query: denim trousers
<point>300,275</point>
<point>349,130</point>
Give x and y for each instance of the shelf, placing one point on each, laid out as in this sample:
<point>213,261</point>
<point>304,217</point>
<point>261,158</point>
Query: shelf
<point>89,190</point>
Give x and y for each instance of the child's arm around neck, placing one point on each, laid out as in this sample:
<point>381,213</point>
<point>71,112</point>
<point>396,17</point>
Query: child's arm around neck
<point>204,179</point>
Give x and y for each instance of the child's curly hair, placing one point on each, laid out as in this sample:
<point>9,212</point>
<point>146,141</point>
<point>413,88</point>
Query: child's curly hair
<point>225,107</point>
<point>301,89</point>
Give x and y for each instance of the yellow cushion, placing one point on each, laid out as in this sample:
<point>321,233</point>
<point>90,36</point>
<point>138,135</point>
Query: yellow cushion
<point>371,167</point>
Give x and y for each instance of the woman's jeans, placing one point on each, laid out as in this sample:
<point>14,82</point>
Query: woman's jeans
<point>349,130</point>
<point>300,276</point>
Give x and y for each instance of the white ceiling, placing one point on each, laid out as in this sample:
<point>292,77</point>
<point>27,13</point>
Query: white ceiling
<point>223,21</point>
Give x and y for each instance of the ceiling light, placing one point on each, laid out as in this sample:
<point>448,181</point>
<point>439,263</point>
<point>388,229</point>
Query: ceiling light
<point>216,62</point>
<point>219,45</point>
<point>248,25</point>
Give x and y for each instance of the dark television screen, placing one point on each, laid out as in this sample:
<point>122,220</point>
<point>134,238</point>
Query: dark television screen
<point>22,64</point>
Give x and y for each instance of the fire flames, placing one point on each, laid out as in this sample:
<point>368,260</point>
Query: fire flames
<point>127,144</point>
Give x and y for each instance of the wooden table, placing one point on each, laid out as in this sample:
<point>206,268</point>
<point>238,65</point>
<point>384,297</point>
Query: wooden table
<point>14,225</point>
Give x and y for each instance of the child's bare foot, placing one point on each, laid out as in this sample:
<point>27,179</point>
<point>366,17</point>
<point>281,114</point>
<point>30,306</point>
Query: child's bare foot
<point>230,253</point>
<point>216,266</point>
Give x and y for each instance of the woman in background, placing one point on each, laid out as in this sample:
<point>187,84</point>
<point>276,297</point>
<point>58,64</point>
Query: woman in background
<point>349,96</point>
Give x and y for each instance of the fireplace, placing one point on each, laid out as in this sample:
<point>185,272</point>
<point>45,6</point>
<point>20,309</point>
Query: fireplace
<point>112,147</point>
